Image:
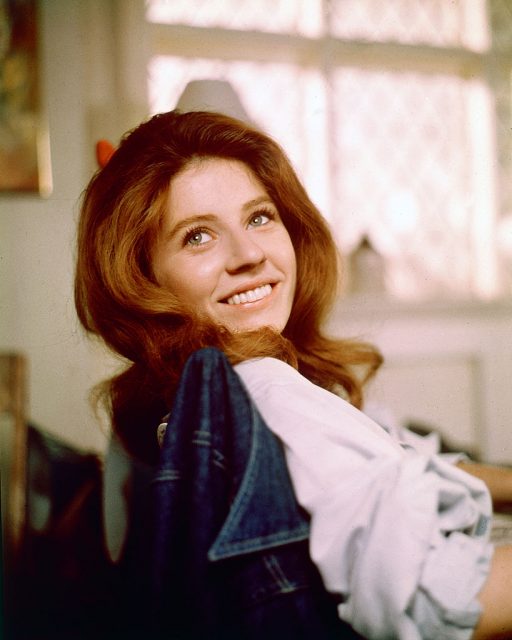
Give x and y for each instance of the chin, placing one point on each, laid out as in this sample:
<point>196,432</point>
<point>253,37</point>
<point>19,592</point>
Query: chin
<point>254,326</point>
<point>243,319</point>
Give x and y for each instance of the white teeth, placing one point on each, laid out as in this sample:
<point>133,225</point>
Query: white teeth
<point>251,296</point>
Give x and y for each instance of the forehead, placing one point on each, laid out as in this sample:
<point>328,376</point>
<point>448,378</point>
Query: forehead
<point>211,182</point>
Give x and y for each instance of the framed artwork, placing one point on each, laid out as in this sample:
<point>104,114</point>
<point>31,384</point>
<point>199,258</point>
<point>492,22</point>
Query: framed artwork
<point>24,148</point>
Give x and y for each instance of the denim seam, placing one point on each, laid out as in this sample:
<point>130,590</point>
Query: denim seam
<point>219,460</point>
<point>164,476</point>
<point>272,564</point>
<point>202,438</point>
<point>249,545</point>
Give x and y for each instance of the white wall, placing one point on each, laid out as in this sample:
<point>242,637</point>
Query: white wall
<point>37,314</point>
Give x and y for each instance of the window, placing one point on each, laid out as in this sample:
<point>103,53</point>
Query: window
<point>395,113</point>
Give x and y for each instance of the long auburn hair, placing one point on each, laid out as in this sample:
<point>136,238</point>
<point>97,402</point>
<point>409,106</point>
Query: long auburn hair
<point>118,298</point>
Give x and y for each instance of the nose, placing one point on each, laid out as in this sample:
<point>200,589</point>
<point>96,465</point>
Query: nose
<point>244,253</point>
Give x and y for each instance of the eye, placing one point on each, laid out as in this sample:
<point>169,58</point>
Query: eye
<point>197,237</point>
<point>259,219</point>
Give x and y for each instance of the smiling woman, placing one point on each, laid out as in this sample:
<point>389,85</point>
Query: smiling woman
<point>224,248</point>
<point>282,509</point>
<point>198,220</point>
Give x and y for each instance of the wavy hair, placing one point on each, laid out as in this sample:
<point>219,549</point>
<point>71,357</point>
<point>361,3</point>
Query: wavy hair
<point>118,298</point>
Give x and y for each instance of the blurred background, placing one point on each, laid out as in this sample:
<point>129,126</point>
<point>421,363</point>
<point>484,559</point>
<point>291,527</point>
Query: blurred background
<point>397,116</point>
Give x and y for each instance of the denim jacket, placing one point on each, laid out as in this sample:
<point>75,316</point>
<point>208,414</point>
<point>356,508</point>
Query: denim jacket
<point>230,543</point>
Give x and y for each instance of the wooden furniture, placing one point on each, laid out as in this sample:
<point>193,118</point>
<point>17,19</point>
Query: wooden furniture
<point>13,453</point>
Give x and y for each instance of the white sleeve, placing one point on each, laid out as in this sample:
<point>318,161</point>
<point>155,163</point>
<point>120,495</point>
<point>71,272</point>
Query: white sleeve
<point>401,536</point>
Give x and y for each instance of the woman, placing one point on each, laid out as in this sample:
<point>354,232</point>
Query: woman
<point>197,233</point>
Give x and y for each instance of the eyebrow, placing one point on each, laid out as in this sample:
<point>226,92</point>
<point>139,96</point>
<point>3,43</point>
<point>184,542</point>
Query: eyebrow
<point>210,217</point>
<point>257,201</point>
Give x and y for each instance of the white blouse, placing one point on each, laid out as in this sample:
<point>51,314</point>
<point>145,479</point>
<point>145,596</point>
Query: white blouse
<point>401,535</point>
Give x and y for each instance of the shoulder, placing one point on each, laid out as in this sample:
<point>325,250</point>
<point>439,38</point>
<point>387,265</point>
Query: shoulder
<point>263,375</point>
<point>263,367</point>
<point>278,389</point>
<point>289,402</point>
<point>270,381</point>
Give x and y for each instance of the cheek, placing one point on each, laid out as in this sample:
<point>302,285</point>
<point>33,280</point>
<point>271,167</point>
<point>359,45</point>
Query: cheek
<point>291,262</point>
<point>190,280</point>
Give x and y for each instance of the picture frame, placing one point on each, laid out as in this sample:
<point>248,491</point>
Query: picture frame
<point>24,145</point>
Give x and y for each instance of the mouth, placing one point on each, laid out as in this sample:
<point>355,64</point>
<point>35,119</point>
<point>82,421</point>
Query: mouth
<point>251,295</point>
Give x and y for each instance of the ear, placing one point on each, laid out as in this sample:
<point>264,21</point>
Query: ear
<point>104,151</point>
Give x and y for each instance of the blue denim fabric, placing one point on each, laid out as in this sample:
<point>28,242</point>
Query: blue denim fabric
<point>230,541</point>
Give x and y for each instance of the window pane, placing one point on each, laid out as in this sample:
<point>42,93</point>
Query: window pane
<point>401,144</point>
<point>285,100</point>
<point>433,22</point>
<point>260,86</point>
<point>288,16</point>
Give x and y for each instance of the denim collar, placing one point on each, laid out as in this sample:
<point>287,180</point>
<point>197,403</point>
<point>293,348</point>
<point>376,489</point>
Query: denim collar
<point>264,512</point>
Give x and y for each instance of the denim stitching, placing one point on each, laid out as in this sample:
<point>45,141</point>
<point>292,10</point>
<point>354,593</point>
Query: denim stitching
<point>164,476</point>
<point>219,460</point>
<point>272,564</point>
<point>233,549</point>
<point>202,438</point>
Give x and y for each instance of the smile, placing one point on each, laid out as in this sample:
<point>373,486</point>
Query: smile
<point>252,295</point>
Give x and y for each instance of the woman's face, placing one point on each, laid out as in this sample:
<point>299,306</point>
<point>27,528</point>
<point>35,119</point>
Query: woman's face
<point>224,249</point>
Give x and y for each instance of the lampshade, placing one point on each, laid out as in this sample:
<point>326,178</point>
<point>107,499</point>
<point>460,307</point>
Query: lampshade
<point>212,95</point>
